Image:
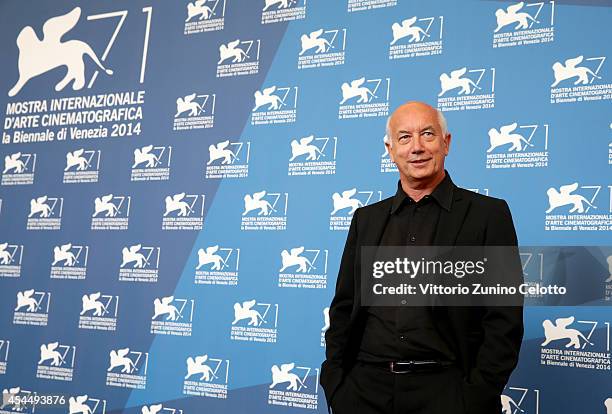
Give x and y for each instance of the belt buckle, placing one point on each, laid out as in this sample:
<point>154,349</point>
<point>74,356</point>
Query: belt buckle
<point>394,365</point>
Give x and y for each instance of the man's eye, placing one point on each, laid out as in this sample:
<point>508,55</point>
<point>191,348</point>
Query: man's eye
<point>404,138</point>
<point>429,135</point>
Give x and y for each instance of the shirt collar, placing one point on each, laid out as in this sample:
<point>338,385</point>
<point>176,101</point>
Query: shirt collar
<point>442,194</point>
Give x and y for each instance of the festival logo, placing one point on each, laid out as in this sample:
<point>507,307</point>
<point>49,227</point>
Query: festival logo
<point>183,212</point>
<point>289,381</point>
<point>322,48</point>
<point>238,58</point>
<point>265,211</point>
<point>82,166</point>
<point>127,369</point>
<point>32,308</point>
<point>139,263</point>
<point>523,24</point>
<point>206,377</point>
<point>303,268</point>
<point>217,266</point>
<point>111,212</point>
<point>467,89</point>
<point>276,11</point>
<point>99,312</point>
<point>45,213</point>
<point>19,169</point>
<point>416,36</point>
<point>255,322</point>
<point>195,111</point>
<point>228,159</point>
<point>11,256</point>
<point>312,155</point>
<point>571,343</point>
<point>69,261</point>
<point>575,207</point>
<point>172,316</point>
<point>518,146</point>
<point>152,163</point>
<point>275,105</point>
<point>345,204</point>
<point>578,79</point>
<point>204,16</point>
<point>364,98</point>
<point>56,362</point>
<point>100,115</point>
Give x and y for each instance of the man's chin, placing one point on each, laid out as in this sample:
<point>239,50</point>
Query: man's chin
<point>421,174</point>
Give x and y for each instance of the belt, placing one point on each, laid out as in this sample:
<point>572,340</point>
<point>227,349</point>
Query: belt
<point>409,367</point>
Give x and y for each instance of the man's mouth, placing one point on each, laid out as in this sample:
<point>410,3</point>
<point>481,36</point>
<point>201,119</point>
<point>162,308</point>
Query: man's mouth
<point>420,161</point>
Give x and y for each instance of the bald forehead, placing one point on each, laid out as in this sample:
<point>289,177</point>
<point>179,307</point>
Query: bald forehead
<point>414,112</point>
<point>415,105</point>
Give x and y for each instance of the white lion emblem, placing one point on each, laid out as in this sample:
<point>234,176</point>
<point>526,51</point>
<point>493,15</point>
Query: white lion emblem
<point>512,15</point>
<point>355,89</point>
<point>344,200</point>
<point>231,50</point>
<point>257,202</point>
<point>564,197</point>
<point>560,331</point>
<point>244,311</point>
<point>455,80</point>
<point>571,70</point>
<point>38,56</point>
<point>198,366</point>
<point>284,374</point>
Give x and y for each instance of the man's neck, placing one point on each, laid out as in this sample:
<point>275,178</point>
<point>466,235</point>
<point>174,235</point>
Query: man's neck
<point>416,190</point>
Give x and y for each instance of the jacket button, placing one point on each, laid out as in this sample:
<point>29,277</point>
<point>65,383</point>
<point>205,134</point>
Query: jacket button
<point>402,338</point>
<point>412,239</point>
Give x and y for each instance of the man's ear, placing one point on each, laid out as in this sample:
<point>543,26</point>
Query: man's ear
<point>388,146</point>
<point>447,142</point>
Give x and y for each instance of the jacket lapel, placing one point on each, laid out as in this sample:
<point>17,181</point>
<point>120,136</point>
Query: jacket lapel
<point>449,225</point>
<point>373,230</point>
<point>450,222</point>
<point>376,227</point>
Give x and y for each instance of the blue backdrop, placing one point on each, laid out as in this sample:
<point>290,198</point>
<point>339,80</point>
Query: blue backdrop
<point>179,177</point>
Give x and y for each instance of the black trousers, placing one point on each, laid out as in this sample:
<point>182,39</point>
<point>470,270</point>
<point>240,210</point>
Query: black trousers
<point>371,389</point>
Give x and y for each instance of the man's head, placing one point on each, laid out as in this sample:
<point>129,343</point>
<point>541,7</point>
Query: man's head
<point>418,142</point>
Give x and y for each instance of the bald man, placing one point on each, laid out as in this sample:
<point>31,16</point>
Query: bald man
<point>432,360</point>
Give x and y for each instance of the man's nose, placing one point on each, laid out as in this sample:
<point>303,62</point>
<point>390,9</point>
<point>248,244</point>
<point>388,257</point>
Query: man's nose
<point>417,145</point>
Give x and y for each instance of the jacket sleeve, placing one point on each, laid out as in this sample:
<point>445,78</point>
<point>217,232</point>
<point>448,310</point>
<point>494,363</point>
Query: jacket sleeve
<point>502,325</point>
<point>340,311</point>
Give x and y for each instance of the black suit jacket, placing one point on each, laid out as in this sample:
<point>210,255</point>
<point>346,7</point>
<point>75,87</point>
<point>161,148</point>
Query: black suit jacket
<point>486,340</point>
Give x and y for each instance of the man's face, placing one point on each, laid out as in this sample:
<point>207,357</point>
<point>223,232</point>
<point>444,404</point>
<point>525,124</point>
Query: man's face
<point>419,147</point>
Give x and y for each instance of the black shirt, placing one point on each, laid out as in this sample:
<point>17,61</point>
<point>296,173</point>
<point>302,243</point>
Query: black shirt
<point>407,333</point>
